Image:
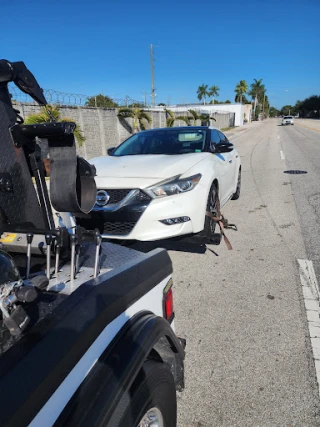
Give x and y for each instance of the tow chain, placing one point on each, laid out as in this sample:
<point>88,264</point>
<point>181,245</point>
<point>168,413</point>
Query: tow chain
<point>223,223</point>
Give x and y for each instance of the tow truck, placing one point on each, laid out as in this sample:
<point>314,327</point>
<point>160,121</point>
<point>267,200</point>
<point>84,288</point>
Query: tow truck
<point>86,326</point>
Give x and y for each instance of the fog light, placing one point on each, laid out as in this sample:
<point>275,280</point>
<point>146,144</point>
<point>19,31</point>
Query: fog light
<point>171,221</point>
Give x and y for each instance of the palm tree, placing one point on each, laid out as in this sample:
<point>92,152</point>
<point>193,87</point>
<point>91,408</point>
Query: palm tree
<point>257,90</point>
<point>195,116</point>
<point>241,89</point>
<point>45,117</point>
<point>203,93</point>
<point>139,117</point>
<point>214,91</point>
<point>203,117</point>
<point>171,118</point>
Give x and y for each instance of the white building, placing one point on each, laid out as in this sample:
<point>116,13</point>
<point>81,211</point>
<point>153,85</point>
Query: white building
<point>238,109</point>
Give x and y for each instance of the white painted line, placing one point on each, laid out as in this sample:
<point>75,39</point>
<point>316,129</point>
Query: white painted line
<point>278,136</point>
<point>311,296</point>
<point>282,155</point>
<point>308,277</point>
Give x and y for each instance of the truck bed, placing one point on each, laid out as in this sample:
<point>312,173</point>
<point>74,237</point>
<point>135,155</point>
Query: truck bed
<point>65,326</point>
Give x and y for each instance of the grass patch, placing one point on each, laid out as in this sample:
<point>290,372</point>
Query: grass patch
<point>229,128</point>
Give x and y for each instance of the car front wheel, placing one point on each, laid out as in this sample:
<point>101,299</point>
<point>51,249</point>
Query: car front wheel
<point>238,190</point>
<point>209,223</point>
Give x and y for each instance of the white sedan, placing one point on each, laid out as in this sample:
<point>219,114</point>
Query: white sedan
<point>287,120</point>
<point>161,182</point>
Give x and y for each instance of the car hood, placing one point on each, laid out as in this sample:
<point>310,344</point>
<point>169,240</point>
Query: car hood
<point>159,166</point>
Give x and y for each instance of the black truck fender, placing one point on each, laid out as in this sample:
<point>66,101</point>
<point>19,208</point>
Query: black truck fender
<point>143,337</point>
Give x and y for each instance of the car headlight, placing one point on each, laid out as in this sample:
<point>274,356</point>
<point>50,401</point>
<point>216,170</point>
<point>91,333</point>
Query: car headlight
<point>175,186</point>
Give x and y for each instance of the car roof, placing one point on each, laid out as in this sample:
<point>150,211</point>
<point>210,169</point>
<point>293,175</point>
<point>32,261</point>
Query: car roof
<point>183,128</point>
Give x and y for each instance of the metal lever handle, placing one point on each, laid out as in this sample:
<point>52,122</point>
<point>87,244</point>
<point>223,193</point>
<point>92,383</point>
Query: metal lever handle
<point>29,242</point>
<point>98,240</point>
<point>48,239</point>
<point>73,243</point>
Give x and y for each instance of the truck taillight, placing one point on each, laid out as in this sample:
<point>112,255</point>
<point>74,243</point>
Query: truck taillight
<point>168,302</point>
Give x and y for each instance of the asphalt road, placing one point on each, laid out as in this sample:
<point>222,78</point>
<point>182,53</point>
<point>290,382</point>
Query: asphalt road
<point>249,361</point>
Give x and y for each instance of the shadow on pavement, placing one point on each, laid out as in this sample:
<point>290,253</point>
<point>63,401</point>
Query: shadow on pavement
<point>169,244</point>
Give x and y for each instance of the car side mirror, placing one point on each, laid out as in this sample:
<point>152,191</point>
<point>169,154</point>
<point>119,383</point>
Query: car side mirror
<point>110,150</point>
<point>225,147</point>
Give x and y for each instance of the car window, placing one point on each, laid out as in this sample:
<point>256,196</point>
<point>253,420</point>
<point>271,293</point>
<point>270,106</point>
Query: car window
<point>215,138</point>
<point>223,138</point>
<point>288,117</point>
<point>164,141</point>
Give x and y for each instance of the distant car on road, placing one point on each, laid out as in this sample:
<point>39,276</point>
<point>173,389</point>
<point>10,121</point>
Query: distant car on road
<point>287,120</point>
<point>161,182</point>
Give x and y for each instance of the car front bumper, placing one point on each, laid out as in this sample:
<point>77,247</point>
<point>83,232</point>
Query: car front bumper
<point>142,220</point>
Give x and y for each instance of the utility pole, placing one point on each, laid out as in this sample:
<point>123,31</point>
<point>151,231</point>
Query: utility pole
<point>152,76</point>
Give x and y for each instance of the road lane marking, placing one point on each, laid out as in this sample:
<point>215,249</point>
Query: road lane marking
<point>278,136</point>
<point>282,156</point>
<point>308,127</point>
<point>311,298</point>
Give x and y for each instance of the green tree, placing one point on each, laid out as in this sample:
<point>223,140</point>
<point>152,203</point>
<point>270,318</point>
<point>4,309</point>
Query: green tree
<point>44,117</point>
<point>227,101</point>
<point>257,112</point>
<point>171,119</point>
<point>310,107</point>
<point>240,90</point>
<point>205,118</point>
<point>244,99</point>
<point>195,116</point>
<point>101,101</point>
<point>257,90</point>
<point>287,110</point>
<point>139,117</point>
<point>273,112</point>
<point>266,105</point>
<point>203,93</point>
<point>136,105</point>
<point>214,92</point>
<point>161,104</point>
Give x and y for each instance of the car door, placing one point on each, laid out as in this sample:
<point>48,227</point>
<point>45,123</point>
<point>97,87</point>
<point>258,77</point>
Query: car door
<point>231,166</point>
<point>221,167</point>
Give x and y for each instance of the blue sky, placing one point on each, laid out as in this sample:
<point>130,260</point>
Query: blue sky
<point>103,46</point>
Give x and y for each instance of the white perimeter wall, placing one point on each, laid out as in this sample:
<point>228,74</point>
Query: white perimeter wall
<point>238,109</point>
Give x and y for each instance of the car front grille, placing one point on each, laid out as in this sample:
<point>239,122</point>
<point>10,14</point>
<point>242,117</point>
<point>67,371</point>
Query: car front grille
<point>142,196</point>
<point>118,228</point>
<point>117,195</point>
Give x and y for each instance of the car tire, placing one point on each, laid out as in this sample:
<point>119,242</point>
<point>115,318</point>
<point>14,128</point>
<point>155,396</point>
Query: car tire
<point>238,190</point>
<point>153,394</point>
<point>210,224</point>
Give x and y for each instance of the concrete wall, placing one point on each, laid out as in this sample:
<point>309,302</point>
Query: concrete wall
<point>103,129</point>
<point>248,112</point>
<point>234,109</point>
<point>222,120</point>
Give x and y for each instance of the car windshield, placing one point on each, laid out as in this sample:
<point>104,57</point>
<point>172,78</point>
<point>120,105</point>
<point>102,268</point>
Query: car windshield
<point>288,117</point>
<point>163,141</point>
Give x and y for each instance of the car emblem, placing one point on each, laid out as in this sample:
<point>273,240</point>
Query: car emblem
<point>102,198</point>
